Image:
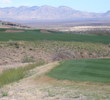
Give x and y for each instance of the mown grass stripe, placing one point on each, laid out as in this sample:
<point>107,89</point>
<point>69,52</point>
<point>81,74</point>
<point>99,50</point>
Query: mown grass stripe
<point>32,35</point>
<point>95,75</point>
<point>83,70</point>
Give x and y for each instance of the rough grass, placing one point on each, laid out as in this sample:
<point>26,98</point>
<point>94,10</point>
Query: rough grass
<point>83,70</point>
<point>100,49</point>
<point>15,74</point>
<point>32,35</point>
<point>52,47</point>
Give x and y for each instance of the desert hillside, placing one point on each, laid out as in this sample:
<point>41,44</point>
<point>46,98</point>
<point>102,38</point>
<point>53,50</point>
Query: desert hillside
<point>53,65</point>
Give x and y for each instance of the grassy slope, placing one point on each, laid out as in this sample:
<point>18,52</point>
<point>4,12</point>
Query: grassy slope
<point>83,70</point>
<point>15,74</point>
<point>30,35</point>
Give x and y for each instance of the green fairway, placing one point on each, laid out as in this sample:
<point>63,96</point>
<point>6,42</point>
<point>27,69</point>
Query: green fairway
<point>32,35</point>
<point>83,70</point>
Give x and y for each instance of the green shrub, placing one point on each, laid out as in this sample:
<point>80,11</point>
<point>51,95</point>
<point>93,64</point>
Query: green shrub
<point>4,93</point>
<point>13,44</point>
<point>27,59</point>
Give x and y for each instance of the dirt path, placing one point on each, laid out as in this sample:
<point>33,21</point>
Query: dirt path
<point>40,87</point>
<point>27,89</point>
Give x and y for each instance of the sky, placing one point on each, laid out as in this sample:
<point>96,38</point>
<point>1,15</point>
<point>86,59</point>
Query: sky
<point>98,6</point>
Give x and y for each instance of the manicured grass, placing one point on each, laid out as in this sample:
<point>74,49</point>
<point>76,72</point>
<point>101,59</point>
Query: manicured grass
<point>83,70</point>
<point>32,35</point>
<point>16,74</point>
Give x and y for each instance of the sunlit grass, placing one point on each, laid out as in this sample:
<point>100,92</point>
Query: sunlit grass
<point>15,74</point>
<point>32,35</point>
<point>83,70</point>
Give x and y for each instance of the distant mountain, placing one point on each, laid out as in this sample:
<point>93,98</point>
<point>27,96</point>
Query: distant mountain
<point>48,13</point>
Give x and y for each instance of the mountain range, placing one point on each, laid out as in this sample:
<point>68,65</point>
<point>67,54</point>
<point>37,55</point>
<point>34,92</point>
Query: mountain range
<point>48,13</point>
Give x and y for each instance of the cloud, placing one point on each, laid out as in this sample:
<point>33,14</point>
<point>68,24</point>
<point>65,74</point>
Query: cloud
<point>5,1</point>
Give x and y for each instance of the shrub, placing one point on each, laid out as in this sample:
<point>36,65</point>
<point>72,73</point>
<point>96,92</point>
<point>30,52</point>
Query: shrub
<point>4,93</point>
<point>62,54</point>
<point>27,59</point>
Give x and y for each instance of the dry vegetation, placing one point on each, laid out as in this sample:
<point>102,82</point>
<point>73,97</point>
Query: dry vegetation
<point>38,86</point>
<point>25,52</point>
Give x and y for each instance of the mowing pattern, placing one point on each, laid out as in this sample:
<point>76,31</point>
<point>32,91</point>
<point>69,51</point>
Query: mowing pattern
<point>30,35</point>
<point>83,70</point>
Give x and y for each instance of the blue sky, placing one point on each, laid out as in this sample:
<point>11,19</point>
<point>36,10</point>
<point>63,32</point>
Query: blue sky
<point>83,5</point>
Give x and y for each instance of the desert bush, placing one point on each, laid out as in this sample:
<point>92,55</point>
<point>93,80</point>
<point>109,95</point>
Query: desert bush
<point>13,44</point>
<point>4,93</point>
<point>62,54</point>
<point>28,59</point>
<point>109,45</point>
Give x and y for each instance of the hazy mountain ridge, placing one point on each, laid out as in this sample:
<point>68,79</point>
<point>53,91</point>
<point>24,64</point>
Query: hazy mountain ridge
<point>48,13</point>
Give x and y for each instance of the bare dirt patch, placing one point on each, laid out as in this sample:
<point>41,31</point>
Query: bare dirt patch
<point>13,31</point>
